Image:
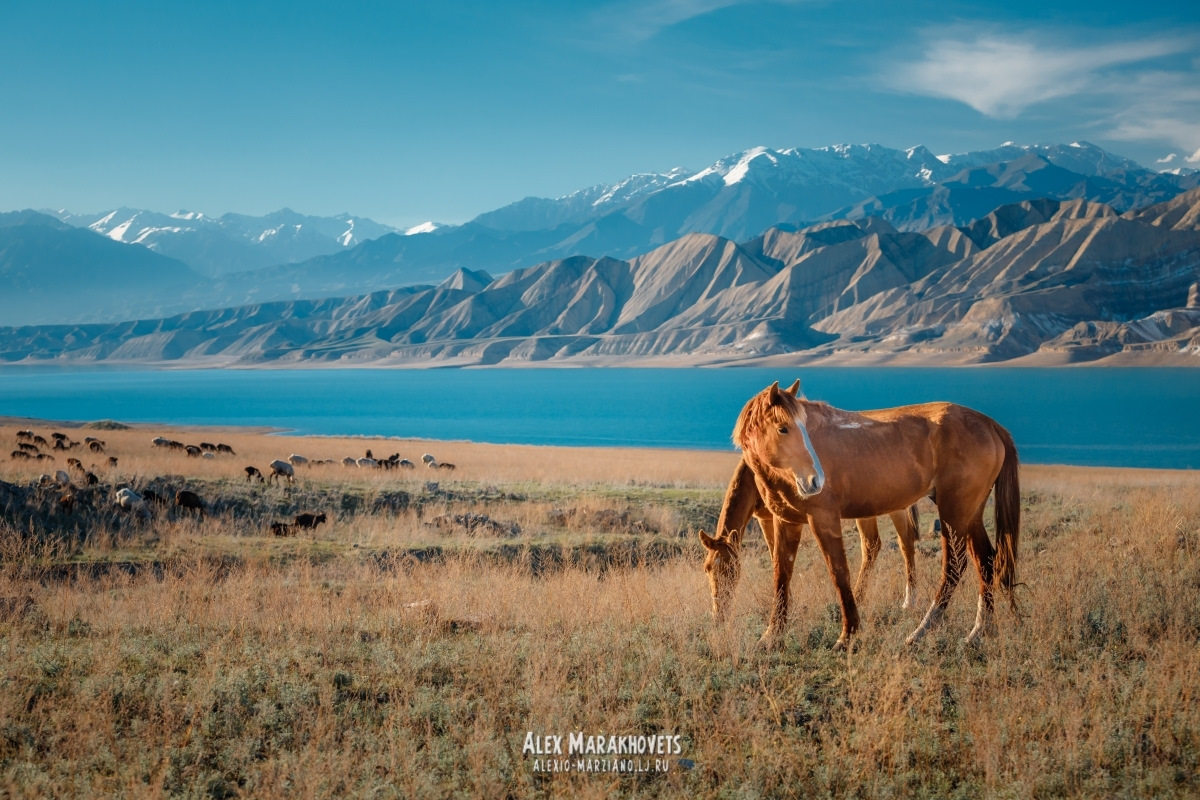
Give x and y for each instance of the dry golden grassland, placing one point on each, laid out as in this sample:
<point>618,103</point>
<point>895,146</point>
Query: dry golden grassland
<point>385,655</point>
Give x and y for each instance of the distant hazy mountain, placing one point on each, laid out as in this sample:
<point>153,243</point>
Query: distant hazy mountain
<point>50,271</point>
<point>232,242</point>
<point>1061,280</point>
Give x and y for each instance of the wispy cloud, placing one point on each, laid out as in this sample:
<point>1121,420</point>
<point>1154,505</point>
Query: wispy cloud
<point>1119,88</point>
<point>1166,159</point>
<point>1002,75</point>
<point>639,21</point>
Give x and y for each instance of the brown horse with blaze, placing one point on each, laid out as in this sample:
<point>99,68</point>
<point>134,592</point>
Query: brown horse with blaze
<point>815,464</point>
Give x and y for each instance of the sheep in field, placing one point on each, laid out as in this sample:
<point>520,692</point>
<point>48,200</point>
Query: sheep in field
<point>282,469</point>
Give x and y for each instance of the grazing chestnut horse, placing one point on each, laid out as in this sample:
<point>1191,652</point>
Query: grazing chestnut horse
<point>816,464</point>
<point>743,501</point>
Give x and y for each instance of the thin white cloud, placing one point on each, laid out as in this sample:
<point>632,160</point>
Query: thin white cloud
<point>1001,75</point>
<point>635,21</point>
<point>1118,88</point>
<point>1194,158</point>
<point>1166,159</point>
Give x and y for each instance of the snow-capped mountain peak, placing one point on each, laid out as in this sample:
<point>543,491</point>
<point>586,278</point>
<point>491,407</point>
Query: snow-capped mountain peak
<point>424,227</point>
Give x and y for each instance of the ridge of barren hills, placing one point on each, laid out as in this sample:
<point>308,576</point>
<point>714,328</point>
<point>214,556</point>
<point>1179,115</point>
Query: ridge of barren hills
<point>1042,280</point>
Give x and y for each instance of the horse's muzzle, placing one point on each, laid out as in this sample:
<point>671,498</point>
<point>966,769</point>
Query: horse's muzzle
<point>809,486</point>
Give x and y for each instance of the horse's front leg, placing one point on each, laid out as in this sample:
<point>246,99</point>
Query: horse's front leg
<point>827,527</point>
<point>783,555</point>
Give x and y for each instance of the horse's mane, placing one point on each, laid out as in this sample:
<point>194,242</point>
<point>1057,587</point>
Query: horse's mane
<point>762,411</point>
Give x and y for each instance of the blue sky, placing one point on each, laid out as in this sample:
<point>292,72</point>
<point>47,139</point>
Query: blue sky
<point>405,112</point>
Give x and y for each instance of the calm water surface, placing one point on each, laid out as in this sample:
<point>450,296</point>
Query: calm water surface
<point>1103,416</point>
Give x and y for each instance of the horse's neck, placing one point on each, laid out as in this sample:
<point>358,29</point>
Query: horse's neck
<point>741,501</point>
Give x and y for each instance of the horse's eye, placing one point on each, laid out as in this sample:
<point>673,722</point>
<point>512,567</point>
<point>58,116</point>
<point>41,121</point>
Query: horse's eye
<point>783,429</point>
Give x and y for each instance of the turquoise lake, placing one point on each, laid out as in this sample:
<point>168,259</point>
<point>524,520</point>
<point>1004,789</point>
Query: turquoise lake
<point>1100,416</point>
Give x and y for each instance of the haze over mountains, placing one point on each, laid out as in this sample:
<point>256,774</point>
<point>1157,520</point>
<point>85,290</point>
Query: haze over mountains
<point>1065,251</point>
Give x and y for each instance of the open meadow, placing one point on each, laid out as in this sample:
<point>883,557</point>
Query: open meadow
<point>406,646</point>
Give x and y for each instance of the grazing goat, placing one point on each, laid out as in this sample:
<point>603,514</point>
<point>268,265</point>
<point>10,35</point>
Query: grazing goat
<point>368,462</point>
<point>62,478</point>
<point>15,454</point>
<point>208,447</point>
<point>58,437</point>
<point>296,460</point>
<point>284,469</point>
<point>38,440</point>
<point>75,464</point>
<point>226,449</point>
<point>189,500</point>
<point>404,463</point>
<point>207,454</point>
<point>157,441</point>
<point>349,461</point>
<point>112,462</point>
<point>90,479</point>
<point>282,529</point>
<point>25,435</point>
<point>90,439</point>
<point>252,473</point>
<point>192,451</point>
<point>44,457</point>
<point>28,448</point>
<point>96,447</point>
<point>308,521</point>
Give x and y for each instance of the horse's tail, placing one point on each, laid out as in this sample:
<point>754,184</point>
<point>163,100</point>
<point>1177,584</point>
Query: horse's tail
<point>1008,517</point>
<point>914,521</point>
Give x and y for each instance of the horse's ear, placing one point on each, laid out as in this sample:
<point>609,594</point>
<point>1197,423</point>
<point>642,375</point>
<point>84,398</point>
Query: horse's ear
<point>773,393</point>
<point>794,388</point>
<point>709,542</point>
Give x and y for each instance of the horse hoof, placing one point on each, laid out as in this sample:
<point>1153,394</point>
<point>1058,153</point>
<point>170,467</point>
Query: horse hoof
<point>769,641</point>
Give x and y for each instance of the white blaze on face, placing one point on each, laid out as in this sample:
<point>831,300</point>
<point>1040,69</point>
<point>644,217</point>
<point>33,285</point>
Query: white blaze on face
<point>819,473</point>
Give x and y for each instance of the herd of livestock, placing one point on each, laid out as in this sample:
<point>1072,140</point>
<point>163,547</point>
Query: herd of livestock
<point>34,447</point>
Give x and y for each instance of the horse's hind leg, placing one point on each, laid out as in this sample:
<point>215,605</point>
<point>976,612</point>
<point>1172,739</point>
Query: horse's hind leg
<point>907,529</point>
<point>984,556</point>
<point>868,536</point>
<point>954,556</point>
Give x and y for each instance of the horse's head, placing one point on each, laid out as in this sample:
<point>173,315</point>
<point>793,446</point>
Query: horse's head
<point>773,435</point>
<point>723,567</point>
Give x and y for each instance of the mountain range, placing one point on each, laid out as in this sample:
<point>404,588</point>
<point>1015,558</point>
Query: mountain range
<point>1043,280</point>
<point>235,259</point>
